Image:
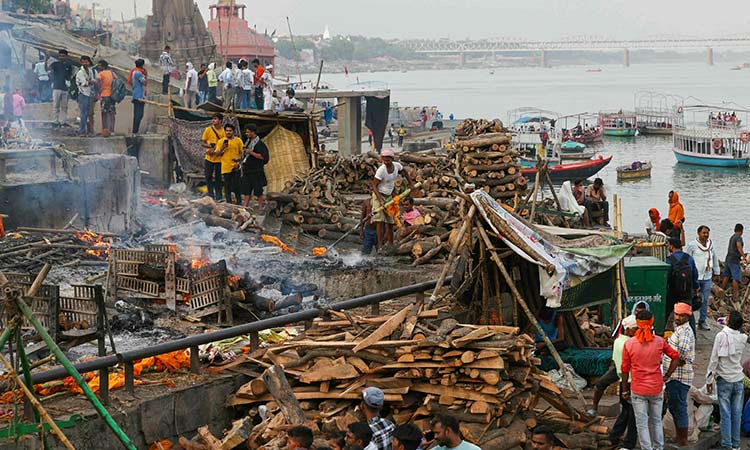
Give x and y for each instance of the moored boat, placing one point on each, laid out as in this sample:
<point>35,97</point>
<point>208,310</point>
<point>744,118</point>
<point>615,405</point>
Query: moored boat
<point>620,124</point>
<point>560,173</point>
<point>706,143</point>
<point>635,171</point>
<point>581,127</point>
<point>572,150</point>
<point>656,112</point>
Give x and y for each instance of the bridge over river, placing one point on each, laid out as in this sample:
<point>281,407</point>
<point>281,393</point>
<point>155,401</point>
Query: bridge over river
<point>493,46</point>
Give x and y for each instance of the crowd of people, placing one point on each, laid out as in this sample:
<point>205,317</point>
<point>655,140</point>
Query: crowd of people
<point>723,119</point>
<point>234,169</point>
<point>377,432</point>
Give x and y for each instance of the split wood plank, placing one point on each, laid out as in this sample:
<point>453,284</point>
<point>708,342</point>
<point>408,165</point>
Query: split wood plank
<point>384,330</point>
<point>453,391</point>
<point>279,390</point>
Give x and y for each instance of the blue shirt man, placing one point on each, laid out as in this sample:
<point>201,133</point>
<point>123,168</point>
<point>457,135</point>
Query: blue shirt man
<point>139,93</point>
<point>682,278</point>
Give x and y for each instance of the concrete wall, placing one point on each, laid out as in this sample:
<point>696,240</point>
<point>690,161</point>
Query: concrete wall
<point>176,412</point>
<point>104,191</point>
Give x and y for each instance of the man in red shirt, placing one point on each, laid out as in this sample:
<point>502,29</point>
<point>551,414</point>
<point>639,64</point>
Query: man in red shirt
<point>641,366</point>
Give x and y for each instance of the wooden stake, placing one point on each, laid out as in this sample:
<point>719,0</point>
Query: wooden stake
<point>539,167</point>
<point>452,255</point>
<point>37,405</point>
<point>529,314</point>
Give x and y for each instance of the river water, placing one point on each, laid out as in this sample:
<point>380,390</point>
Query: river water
<point>714,197</point>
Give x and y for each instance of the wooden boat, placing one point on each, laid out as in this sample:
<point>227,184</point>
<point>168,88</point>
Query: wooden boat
<point>581,127</point>
<point>656,113</point>
<point>634,171</point>
<point>572,150</point>
<point>560,173</point>
<point>620,124</point>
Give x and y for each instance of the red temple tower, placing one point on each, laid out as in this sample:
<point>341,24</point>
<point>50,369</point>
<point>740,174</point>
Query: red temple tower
<point>234,38</point>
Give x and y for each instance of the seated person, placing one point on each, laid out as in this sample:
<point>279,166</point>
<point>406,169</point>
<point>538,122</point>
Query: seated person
<point>552,325</point>
<point>596,200</point>
<point>409,213</point>
<point>579,192</point>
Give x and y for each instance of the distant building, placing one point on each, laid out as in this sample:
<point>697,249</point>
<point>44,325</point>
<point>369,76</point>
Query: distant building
<point>179,24</point>
<point>233,36</point>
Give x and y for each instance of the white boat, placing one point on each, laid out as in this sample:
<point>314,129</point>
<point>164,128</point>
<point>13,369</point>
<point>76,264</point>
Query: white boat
<point>702,142</point>
<point>655,112</point>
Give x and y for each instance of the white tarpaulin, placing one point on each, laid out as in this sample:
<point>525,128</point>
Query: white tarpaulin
<point>559,268</point>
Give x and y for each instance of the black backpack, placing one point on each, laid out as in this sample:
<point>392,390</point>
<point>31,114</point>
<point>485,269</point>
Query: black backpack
<point>681,280</point>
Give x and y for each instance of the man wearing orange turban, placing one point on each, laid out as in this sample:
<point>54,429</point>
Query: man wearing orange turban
<point>641,367</point>
<point>678,385</point>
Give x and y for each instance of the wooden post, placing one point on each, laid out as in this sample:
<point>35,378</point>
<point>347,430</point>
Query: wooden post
<point>529,314</point>
<point>278,387</point>
<point>37,405</point>
<point>554,195</point>
<point>539,167</point>
<point>451,256</point>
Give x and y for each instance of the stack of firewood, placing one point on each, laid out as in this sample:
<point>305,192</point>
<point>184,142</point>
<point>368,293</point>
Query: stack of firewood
<point>226,215</point>
<point>484,375</point>
<point>484,157</point>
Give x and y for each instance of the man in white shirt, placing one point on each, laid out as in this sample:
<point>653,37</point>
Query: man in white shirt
<point>267,78</point>
<point>85,81</point>
<point>42,76</point>
<point>725,368</point>
<point>448,434</point>
<point>191,85</point>
<point>246,84</point>
<point>703,252</point>
<point>166,64</point>
<point>359,434</point>
<point>289,103</point>
<point>382,192</point>
<point>227,79</point>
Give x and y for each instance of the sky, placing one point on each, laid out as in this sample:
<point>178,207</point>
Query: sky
<point>475,19</point>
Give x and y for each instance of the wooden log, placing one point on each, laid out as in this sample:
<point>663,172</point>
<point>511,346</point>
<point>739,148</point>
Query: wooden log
<point>487,167</point>
<point>427,257</point>
<point>586,441</point>
<point>279,388</point>
<point>485,140</point>
<point>384,330</point>
<point>423,246</point>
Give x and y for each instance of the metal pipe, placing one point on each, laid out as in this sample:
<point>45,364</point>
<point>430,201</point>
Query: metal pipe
<point>247,328</point>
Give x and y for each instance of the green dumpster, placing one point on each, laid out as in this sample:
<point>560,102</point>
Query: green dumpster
<point>646,278</point>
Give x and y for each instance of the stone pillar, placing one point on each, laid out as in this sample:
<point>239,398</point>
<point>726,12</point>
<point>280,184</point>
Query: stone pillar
<point>542,58</point>
<point>626,58</point>
<point>461,59</point>
<point>709,56</point>
<point>350,125</point>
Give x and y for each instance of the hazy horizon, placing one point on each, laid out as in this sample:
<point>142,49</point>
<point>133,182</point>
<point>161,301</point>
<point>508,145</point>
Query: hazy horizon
<point>476,19</point>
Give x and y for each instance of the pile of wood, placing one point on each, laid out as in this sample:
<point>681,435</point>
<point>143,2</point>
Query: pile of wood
<point>484,157</point>
<point>484,375</point>
<point>27,249</point>
<point>226,215</point>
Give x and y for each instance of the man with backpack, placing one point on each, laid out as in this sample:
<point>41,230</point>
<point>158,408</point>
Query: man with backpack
<point>682,279</point>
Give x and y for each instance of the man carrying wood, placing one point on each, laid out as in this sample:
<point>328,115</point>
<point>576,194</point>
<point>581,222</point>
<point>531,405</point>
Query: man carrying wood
<point>382,429</point>
<point>448,434</point>
<point>382,192</point>
<point>641,357</point>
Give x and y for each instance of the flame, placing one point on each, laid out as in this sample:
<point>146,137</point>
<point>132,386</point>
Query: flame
<point>197,263</point>
<point>101,247</point>
<point>234,280</point>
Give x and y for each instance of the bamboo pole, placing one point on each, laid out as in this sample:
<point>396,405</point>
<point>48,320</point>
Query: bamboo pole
<point>63,360</point>
<point>554,195</point>
<point>519,299</point>
<point>37,405</point>
<point>451,255</point>
<point>539,167</point>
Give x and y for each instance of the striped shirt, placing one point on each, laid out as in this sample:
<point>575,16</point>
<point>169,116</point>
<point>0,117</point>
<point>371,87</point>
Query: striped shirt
<point>682,340</point>
<point>661,252</point>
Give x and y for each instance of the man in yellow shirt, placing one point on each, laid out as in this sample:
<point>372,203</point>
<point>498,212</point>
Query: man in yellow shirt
<point>212,164</point>
<point>231,152</point>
